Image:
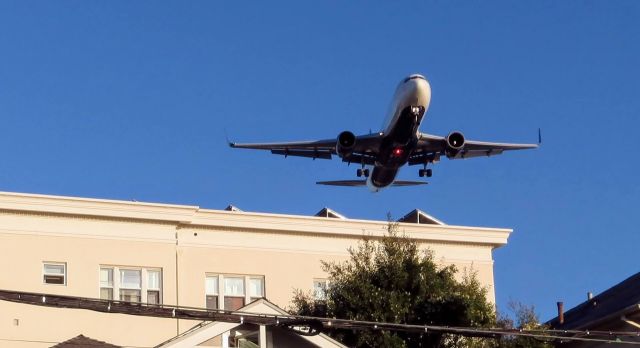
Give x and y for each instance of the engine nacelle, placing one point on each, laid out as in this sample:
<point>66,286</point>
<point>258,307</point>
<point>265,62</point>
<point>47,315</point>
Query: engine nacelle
<point>455,143</point>
<point>346,143</point>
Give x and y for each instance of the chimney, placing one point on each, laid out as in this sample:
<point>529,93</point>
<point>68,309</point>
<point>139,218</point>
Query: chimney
<point>560,313</point>
<point>589,295</point>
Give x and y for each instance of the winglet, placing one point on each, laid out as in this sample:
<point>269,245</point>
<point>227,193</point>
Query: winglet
<point>539,136</point>
<point>229,142</point>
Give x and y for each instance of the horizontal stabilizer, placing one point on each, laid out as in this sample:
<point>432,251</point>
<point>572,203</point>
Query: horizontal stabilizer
<point>364,183</point>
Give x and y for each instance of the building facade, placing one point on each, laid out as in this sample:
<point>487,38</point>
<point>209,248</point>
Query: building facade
<point>182,255</point>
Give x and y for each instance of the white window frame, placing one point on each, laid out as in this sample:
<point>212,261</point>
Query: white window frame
<point>113,282</point>
<point>144,288</point>
<point>54,263</point>
<point>244,289</point>
<point>217,293</point>
<point>248,286</point>
<point>149,288</point>
<point>133,269</point>
<point>247,282</point>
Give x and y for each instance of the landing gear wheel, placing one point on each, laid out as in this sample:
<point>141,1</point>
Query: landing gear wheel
<point>425,172</point>
<point>359,172</point>
<point>366,173</point>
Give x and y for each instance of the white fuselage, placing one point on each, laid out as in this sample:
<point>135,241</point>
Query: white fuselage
<point>413,91</point>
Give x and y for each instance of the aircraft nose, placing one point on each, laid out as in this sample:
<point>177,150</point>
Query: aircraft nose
<point>416,83</point>
<point>414,77</point>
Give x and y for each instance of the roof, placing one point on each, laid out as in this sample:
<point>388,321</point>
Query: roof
<point>330,213</point>
<point>232,207</point>
<point>417,216</point>
<point>82,341</point>
<point>207,330</point>
<point>187,216</point>
<point>621,299</point>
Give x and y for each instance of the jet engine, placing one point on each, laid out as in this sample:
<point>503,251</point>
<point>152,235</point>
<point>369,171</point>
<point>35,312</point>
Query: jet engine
<point>345,144</point>
<point>455,143</point>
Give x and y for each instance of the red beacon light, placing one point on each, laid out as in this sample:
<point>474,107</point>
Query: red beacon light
<point>398,151</point>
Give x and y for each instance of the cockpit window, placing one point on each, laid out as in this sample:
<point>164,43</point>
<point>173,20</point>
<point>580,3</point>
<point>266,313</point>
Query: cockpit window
<point>413,77</point>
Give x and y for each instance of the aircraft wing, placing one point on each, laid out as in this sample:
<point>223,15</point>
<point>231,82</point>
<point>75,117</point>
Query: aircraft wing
<point>364,183</point>
<point>365,148</point>
<point>431,147</point>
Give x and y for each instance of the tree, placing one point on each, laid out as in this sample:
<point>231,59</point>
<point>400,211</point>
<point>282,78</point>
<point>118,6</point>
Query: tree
<point>525,318</point>
<point>392,280</point>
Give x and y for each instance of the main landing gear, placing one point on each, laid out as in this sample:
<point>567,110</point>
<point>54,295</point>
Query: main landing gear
<point>425,172</point>
<point>361,172</point>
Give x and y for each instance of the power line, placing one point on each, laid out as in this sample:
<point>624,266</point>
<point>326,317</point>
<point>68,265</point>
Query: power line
<point>27,341</point>
<point>302,324</point>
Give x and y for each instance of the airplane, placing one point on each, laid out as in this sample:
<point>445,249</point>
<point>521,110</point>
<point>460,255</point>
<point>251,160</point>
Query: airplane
<point>399,142</point>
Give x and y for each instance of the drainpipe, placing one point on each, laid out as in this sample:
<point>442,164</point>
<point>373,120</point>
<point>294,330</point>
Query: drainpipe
<point>177,282</point>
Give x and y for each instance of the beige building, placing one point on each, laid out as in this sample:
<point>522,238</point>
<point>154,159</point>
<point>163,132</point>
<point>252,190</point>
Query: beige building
<point>182,255</point>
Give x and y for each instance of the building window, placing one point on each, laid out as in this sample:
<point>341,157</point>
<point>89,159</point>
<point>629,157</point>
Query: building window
<point>232,292</point>
<point>211,291</point>
<point>320,287</point>
<point>55,273</point>
<point>106,283</point>
<point>131,284</point>
<point>153,286</point>
<point>256,288</point>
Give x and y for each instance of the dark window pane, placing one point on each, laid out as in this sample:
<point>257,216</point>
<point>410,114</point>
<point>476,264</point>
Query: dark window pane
<point>129,295</point>
<point>233,303</point>
<point>106,293</point>
<point>153,296</point>
<point>212,302</point>
<point>53,279</point>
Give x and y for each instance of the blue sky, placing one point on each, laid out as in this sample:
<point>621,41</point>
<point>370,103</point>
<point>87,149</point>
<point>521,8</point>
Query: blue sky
<point>130,100</point>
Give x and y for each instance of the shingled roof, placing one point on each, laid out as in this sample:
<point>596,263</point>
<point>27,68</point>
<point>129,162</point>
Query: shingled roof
<point>82,341</point>
<point>619,300</point>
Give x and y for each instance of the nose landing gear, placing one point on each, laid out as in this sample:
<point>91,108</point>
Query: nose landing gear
<point>417,112</point>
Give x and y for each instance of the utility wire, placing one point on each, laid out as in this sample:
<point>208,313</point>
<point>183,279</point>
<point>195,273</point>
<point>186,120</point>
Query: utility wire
<point>302,324</point>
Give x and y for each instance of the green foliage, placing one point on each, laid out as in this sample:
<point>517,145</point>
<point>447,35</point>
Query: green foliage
<point>393,280</point>
<point>525,318</point>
